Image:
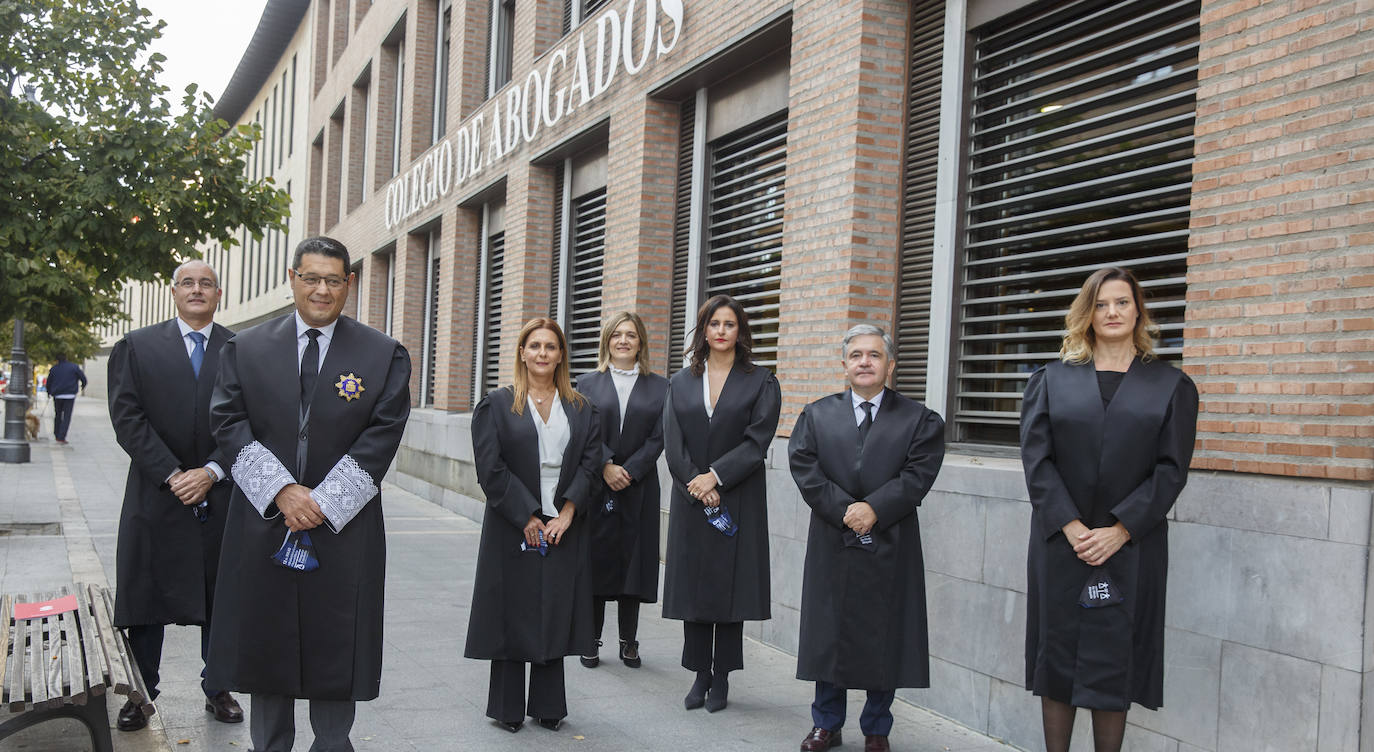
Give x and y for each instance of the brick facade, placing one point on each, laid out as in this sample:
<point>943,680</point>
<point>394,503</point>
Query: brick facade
<point>1280,333</point>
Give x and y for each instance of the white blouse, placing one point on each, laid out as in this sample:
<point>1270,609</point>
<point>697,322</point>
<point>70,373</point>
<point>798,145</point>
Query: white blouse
<point>706,391</point>
<point>553,441</point>
<point>624,384</point>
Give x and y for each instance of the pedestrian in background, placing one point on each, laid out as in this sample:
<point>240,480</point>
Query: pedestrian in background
<point>62,382</point>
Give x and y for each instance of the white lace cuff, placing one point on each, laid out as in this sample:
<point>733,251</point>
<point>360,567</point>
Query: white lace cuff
<point>260,475</point>
<point>343,492</point>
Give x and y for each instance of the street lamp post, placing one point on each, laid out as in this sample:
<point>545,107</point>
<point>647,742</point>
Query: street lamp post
<point>14,448</point>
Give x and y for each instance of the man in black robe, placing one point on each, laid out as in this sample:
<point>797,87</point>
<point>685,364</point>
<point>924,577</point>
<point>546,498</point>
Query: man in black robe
<point>309,446</point>
<point>170,526</point>
<point>863,459</point>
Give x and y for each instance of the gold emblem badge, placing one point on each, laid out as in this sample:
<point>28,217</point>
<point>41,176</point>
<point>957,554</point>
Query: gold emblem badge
<point>350,387</point>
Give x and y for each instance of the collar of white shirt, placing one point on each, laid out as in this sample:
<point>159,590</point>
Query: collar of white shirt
<point>326,331</point>
<point>856,401</point>
<point>186,329</point>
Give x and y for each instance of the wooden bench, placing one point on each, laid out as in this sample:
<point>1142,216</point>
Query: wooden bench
<point>60,666</point>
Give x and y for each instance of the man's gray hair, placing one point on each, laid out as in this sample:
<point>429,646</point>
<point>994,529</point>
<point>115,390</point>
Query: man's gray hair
<point>866,330</point>
<point>176,274</point>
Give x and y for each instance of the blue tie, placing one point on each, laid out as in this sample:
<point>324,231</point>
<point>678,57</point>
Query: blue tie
<point>197,352</point>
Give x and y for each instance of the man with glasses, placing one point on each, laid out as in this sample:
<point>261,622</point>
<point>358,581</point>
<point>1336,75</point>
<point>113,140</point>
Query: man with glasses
<point>160,381</point>
<point>305,541</point>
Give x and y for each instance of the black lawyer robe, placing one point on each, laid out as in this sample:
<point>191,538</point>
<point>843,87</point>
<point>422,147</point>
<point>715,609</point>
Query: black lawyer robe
<point>711,577</point>
<point>166,560</point>
<point>863,612</point>
<point>1127,463</point>
<point>625,541</point>
<point>527,607</point>
<point>315,635</point>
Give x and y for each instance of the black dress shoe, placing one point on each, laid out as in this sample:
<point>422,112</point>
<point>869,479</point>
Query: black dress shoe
<point>225,708</point>
<point>696,696</point>
<point>591,661</point>
<point>551,724</point>
<point>719,696</point>
<point>820,740</point>
<point>629,653</point>
<point>131,717</point>
<point>511,726</point>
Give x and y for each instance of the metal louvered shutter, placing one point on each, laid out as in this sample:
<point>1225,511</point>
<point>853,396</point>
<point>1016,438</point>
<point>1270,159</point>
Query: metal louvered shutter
<point>555,300</point>
<point>496,262</point>
<point>432,315</point>
<point>744,226</point>
<point>588,253</point>
<point>912,333</point>
<point>1080,156</point>
<point>682,231</point>
<point>567,16</point>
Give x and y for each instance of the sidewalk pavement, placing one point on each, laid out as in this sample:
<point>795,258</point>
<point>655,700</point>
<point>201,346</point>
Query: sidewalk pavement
<point>432,698</point>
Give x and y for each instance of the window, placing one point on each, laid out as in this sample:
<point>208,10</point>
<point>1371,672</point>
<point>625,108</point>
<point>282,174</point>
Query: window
<point>577,11</point>
<point>360,131</point>
<point>920,162</point>
<point>1079,155</point>
<point>291,141</point>
<point>390,292</point>
<point>429,358</point>
<point>501,41</point>
<point>396,116</point>
<point>489,286</point>
<point>441,64</point>
<point>579,253</point>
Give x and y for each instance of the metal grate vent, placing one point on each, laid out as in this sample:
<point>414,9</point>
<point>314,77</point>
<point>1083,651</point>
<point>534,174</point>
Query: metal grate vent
<point>588,251</point>
<point>682,230</point>
<point>496,262</point>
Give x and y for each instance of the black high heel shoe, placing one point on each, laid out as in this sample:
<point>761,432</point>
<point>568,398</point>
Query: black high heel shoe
<point>551,724</point>
<point>511,726</point>
<point>629,653</point>
<point>719,696</point>
<point>696,696</point>
<point>591,661</point>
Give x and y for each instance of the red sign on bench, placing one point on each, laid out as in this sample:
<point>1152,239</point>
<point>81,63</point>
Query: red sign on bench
<point>46,608</point>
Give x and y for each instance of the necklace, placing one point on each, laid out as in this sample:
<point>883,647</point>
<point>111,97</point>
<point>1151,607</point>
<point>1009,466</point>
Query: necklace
<point>540,400</point>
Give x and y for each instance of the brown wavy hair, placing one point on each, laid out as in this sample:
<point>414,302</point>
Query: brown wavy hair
<point>603,350</point>
<point>699,350</point>
<point>561,380</point>
<point>1079,338</point>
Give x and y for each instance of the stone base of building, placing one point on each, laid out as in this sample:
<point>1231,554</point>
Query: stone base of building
<point>1269,597</point>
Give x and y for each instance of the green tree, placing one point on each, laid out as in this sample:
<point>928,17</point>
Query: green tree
<point>101,181</point>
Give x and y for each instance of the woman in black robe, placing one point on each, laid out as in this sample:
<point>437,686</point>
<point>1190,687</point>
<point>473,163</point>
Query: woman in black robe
<point>719,418</point>
<point>629,400</point>
<point>537,448</point>
<point>1106,438</point>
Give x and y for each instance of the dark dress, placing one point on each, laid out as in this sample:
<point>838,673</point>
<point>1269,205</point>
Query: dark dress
<point>314,635</point>
<point>711,577</point>
<point>1126,462</point>
<point>166,560</point>
<point>527,607</point>
<point>863,612</point>
<point>625,541</point>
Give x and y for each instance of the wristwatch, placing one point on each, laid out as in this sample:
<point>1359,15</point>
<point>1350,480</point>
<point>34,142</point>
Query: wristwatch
<point>213,478</point>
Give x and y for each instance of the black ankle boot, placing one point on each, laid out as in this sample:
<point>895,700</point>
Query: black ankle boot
<point>629,653</point>
<point>719,695</point>
<point>696,696</point>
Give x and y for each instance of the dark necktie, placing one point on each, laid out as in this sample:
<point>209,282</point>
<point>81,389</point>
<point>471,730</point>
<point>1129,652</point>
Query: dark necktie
<point>867,425</point>
<point>197,352</point>
<point>310,366</point>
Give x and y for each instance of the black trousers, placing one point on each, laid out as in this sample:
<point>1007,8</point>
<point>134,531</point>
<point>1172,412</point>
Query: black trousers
<point>61,417</point>
<point>626,612</point>
<point>506,701</point>
<point>145,642</point>
<point>272,724</point>
<point>709,646</point>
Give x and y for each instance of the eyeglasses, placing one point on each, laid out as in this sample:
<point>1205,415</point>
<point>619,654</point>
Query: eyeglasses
<point>313,280</point>
<point>204,283</point>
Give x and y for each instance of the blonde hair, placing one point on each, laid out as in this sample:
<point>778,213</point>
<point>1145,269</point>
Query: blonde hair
<point>1079,338</point>
<point>603,351</point>
<point>561,380</point>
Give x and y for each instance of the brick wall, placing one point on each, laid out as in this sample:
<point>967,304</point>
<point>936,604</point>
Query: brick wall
<point>1280,334</point>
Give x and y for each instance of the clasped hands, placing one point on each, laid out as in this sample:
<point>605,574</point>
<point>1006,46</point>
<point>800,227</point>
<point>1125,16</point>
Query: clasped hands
<point>191,486</point>
<point>553,529</point>
<point>860,517</point>
<point>703,489</point>
<point>1096,545</point>
<point>298,509</point>
<point>617,478</point>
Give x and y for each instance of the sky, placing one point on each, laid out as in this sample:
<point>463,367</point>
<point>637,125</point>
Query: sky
<point>203,41</point>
